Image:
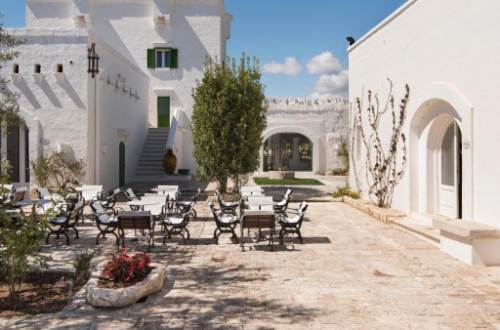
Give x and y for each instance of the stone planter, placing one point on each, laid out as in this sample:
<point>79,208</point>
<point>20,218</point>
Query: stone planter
<point>104,297</point>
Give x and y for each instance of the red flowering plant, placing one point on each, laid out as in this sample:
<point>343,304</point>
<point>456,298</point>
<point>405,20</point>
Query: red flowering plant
<point>124,269</point>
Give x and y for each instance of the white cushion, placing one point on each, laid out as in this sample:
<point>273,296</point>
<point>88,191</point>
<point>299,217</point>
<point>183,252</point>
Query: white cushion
<point>293,220</point>
<point>106,219</point>
<point>228,218</point>
<point>174,220</point>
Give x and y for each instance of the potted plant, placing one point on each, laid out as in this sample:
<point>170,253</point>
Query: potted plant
<point>124,279</point>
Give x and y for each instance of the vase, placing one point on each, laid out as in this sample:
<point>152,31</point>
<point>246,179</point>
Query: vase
<point>169,162</point>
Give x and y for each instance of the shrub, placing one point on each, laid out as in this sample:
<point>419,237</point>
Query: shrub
<point>124,269</point>
<point>57,171</point>
<point>346,191</point>
<point>21,239</point>
<point>82,267</point>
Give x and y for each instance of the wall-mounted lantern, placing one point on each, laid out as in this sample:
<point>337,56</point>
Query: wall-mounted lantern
<point>93,61</point>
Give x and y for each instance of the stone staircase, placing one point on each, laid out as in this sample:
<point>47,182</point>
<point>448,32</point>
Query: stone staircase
<point>150,166</point>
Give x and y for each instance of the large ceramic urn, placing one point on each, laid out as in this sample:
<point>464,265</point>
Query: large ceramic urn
<point>169,162</point>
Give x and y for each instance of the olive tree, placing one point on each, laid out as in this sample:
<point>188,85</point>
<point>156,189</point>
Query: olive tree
<point>229,116</point>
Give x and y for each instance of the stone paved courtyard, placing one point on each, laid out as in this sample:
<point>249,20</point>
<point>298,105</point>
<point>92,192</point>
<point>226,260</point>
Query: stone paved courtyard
<point>351,273</point>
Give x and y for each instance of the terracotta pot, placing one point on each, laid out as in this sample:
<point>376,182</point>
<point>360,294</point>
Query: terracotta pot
<point>169,162</point>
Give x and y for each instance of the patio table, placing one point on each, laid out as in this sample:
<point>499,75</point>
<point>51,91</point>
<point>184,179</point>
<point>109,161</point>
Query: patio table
<point>135,220</point>
<point>258,220</point>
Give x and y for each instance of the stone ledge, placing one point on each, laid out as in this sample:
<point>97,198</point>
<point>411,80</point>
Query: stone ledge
<point>467,229</point>
<point>381,214</point>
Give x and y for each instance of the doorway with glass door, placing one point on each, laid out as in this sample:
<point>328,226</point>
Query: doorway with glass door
<point>450,181</point>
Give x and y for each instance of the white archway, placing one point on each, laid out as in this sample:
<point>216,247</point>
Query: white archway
<point>439,106</point>
<point>297,130</point>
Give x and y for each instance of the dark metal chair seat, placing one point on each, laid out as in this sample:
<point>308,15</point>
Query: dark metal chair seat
<point>67,218</point>
<point>226,222</point>
<point>175,223</point>
<point>106,220</point>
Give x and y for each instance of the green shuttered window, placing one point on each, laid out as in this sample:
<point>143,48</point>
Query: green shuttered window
<point>162,58</point>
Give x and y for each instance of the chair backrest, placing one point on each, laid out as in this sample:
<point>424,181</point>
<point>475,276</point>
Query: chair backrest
<point>303,207</point>
<point>18,196</point>
<point>288,193</point>
<point>196,196</point>
<point>130,194</point>
<point>97,207</point>
<point>43,193</point>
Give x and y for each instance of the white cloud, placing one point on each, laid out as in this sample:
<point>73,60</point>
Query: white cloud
<point>290,68</point>
<point>332,85</point>
<point>324,63</point>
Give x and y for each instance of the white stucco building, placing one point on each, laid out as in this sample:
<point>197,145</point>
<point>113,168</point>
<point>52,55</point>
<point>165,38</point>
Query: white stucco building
<point>151,54</point>
<point>447,51</point>
<point>304,135</point>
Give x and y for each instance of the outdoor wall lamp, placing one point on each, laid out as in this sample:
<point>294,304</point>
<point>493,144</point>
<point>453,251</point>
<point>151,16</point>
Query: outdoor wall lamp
<point>93,61</point>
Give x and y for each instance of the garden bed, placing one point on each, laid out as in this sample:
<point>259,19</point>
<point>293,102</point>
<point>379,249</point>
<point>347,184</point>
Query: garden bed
<point>287,182</point>
<point>41,292</point>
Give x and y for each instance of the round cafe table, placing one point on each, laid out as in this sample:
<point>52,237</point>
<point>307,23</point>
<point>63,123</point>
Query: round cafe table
<point>33,203</point>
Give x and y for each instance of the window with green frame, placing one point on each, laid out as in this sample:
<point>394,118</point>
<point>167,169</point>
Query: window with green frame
<point>162,58</point>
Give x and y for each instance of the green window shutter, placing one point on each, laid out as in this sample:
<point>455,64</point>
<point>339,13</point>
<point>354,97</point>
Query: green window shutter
<point>151,59</point>
<point>174,58</point>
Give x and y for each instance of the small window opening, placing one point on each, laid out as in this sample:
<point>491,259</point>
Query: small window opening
<point>15,68</point>
<point>60,68</point>
<point>38,68</point>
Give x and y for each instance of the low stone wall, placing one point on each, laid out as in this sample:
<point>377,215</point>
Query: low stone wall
<point>381,214</point>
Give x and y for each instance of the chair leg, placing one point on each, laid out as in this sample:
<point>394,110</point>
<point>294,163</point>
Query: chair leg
<point>47,238</point>
<point>300,236</point>
<point>97,238</point>
<point>188,234</point>
<point>215,233</point>
<point>67,237</point>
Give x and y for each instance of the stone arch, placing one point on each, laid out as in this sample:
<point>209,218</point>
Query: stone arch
<point>439,105</point>
<point>294,130</point>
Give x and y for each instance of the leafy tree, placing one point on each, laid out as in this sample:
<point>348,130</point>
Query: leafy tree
<point>8,99</point>
<point>229,116</point>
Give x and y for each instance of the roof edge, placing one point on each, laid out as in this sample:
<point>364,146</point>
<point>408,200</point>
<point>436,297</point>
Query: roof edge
<point>382,24</point>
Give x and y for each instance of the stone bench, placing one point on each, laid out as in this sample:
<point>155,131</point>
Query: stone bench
<point>471,242</point>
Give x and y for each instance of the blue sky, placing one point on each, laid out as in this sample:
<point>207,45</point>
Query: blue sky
<point>285,35</point>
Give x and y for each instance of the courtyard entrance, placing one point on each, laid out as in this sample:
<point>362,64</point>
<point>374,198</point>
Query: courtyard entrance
<point>288,152</point>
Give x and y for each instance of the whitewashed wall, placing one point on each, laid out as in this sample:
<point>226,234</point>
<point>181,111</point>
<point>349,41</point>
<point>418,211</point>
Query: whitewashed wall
<point>323,121</point>
<point>54,106</point>
<point>445,50</point>
<point>195,28</point>
<point>121,117</point>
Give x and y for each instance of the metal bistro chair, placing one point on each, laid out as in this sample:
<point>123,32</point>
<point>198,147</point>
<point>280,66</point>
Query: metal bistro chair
<point>282,206</point>
<point>292,225</point>
<point>110,201</point>
<point>226,206</point>
<point>183,205</point>
<point>66,219</point>
<point>226,222</point>
<point>131,196</point>
<point>175,221</point>
<point>106,220</point>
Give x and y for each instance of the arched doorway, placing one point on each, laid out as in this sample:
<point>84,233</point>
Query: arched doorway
<point>437,162</point>
<point>288,152</point>
<point>121,164</point>
<point>450,173</point>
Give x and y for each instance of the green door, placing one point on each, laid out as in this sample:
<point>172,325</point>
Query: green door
<point>121,163</point>
<point>163,111</point>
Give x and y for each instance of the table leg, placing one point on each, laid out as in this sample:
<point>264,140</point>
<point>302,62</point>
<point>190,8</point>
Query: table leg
<point>242,244</point>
